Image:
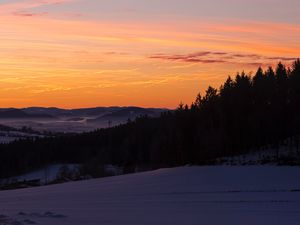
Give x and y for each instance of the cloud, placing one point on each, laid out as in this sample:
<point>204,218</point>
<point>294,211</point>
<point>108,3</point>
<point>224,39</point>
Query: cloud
<point>198,57</point>
<point>28,14</point>
<point>282,58</point>
<point>23,8</point>
<point>253,56</point>
<point>206,57</point>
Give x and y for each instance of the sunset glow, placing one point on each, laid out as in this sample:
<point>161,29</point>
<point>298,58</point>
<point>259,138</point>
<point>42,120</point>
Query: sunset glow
<point>85,53</point>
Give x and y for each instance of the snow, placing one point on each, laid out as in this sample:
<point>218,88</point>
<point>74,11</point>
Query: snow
<point>269,155</point>
<point>45,175</point>
<point>114,170</point>
<point>10,136</point>
<point>6,140</point>
<point>216,195</point>
<point>49,173</point>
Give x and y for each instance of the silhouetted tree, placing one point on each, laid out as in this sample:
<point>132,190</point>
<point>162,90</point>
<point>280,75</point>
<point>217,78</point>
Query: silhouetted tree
<point>243,114</point>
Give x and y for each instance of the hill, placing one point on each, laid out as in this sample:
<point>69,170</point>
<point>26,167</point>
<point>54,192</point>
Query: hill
<point>21,114</point>
<point>113,111</point>
<point>186,195</point>
<point>127,113</point>
<point>57,120</point>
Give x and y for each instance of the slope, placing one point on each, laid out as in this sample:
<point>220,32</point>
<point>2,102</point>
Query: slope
<point>181,196</point>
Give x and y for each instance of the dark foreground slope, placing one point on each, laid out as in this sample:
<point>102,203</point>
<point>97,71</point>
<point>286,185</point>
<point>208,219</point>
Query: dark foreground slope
<point>179,196</point>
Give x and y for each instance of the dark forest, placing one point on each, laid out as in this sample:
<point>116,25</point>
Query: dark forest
<point>244,114</point>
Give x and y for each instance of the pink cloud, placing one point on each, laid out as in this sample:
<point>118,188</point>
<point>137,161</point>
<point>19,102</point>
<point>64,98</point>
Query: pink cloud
<point>21,8</point>
<point>28,14</point>
<point>206,57</point>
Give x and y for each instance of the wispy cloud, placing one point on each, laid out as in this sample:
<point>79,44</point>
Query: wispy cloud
<point>28,14</point>
<point>23,8</point>
<point>281,58</point>
<point>93,51</point>
<point>219,57</point>
<point>198,57</point>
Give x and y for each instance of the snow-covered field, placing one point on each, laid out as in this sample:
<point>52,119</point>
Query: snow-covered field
<point>219,195</point>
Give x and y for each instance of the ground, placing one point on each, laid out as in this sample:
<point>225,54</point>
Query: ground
<point>216,195</point>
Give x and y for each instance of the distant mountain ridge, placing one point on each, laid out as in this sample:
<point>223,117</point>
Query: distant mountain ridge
<point>125,113</point>
<point>97,113</point>
<point>12,113</point>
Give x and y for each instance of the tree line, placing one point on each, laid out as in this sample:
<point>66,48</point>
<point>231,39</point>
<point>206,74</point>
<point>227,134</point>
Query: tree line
<point>245,113</point>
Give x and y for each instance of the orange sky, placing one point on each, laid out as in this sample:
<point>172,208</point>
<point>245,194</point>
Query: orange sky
<point>55,54</point>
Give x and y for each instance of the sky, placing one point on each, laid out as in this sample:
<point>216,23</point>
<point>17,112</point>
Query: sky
<point>148,53</point>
